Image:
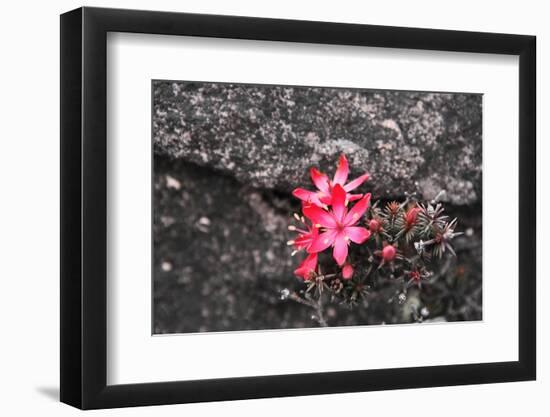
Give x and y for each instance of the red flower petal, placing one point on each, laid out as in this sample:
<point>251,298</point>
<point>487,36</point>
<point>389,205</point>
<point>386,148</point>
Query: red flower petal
<point>357,234</point>
<point>341,174</point>
<point>303,241</point>
<point>320,180</point>
<point>304,238</point>
<point>318,216</point>
<point>326,199</point>
<point>347,271</point>
<point>307,196</point>
<point>302,194</point>
<point>354,197</point>
<point>323,241</point>
<point>352,185</point>
<point>339,202</point>
<point>340,252</point>
<point>307,267</point>
<point>357,211</point>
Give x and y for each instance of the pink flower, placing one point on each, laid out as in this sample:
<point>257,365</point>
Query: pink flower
<point>306,235</point>
<point>323,195</point>
<point>347,271</point>
<point>338,224</point>
<point>307,268</point>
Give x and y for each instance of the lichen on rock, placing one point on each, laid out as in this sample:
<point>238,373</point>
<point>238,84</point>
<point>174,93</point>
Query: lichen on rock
<point>267,136</point>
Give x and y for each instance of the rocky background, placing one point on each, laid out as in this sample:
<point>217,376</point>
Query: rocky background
<point>226,158</point>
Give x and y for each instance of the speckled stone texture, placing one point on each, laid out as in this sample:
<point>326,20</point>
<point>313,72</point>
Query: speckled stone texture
<point>268,136</point>
<point>226,159</point>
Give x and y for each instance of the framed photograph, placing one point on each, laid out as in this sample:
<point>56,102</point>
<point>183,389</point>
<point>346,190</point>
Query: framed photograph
<point>256,208</point>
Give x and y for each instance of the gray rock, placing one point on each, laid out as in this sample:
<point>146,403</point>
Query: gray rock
<point>221,261</point>
<point>221,258</point>
<point>226,159</point>
<point>268,137</point>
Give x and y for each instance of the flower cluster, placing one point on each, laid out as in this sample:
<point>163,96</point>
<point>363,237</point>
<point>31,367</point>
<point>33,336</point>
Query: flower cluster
<point>332,219</point>
<point>363,242</point>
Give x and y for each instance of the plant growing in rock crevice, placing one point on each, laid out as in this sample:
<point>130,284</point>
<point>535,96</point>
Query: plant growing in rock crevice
<point>352,246</point>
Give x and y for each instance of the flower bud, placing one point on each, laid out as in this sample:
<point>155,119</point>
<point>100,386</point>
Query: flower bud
<point>415,276</point>
<point>410,216</point>
<point>374,226</point>
<point>388,253</point>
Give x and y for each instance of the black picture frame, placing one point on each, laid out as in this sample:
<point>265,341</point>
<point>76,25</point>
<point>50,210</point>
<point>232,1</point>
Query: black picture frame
<point>84,207</point>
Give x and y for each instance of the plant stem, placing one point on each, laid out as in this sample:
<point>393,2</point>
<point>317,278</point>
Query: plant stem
<point>320,313</point>
<point>316,305</point>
